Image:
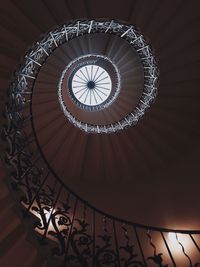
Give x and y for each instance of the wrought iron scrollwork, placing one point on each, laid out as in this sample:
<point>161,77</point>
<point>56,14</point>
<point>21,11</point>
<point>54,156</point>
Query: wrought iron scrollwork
<point>157,257</point>
<point>61,223</point>
<point>81,244</point>
<point>105,254</point>
<point>130,258</point>
<point>79,239</point>
<point>43,206</point>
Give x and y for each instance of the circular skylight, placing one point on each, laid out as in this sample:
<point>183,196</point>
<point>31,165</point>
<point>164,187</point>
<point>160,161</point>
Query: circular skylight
<point>106,102</point>
<point>91,85</point>
<point>91,81</point>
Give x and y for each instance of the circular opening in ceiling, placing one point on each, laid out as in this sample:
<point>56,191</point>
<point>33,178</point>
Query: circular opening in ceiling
<point>131,74</point>
<point>91,81</point>
<point>90,85</point>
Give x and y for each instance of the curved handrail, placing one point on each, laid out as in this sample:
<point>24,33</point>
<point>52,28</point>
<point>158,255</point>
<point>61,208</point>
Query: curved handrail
<point>41,198</point>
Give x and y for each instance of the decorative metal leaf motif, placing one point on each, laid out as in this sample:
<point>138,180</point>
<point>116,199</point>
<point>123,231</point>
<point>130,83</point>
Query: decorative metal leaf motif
<point>27,178</point>
<point>106,255</point>
<point>157,258</point>
<point>131,260</point>
<point>61,223</point>
<point>81,242</point>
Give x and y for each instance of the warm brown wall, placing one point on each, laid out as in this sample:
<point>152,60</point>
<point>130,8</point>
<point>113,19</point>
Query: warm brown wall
<point>168,138</point>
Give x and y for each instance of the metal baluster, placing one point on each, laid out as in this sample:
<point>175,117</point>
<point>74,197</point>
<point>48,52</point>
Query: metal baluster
<point>151,242</point>
<point>20,151</point>
<point>168,249</point>
<point>94,236</point>
<point>183,250</point>
<point>139,244</point>
<point>157,257</point>
<point>27,171</point>
<point>52,209</point>
<point>195,243</point>
<point>105,224</point>
<point>38,191</point>
<point>126,234</point>
<point>116,242</point>
<point>69,235</point>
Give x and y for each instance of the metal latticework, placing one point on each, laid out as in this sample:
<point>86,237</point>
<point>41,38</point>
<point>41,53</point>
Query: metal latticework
<point>76,232</point>
<point>38,54</point>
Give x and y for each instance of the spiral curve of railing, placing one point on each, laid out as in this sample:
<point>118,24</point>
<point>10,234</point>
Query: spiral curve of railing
<point>77,233</point>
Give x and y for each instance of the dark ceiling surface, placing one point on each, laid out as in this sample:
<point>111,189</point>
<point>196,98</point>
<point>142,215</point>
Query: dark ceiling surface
<point>150,172</point>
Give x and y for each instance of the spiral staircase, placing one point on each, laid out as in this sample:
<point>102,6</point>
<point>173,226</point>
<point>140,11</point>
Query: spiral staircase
<point>100,135</point>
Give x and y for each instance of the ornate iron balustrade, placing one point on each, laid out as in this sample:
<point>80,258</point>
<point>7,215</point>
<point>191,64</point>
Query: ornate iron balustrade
<point>75,231</point>
<point>78,233</point>
<point>42,49</point>
<point>81,233</point>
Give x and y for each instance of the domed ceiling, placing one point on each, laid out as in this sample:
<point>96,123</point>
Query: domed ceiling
<point>146,173</point>
<point>149,159</point>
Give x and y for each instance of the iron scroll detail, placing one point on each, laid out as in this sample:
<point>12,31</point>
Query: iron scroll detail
<point>75,230</point>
